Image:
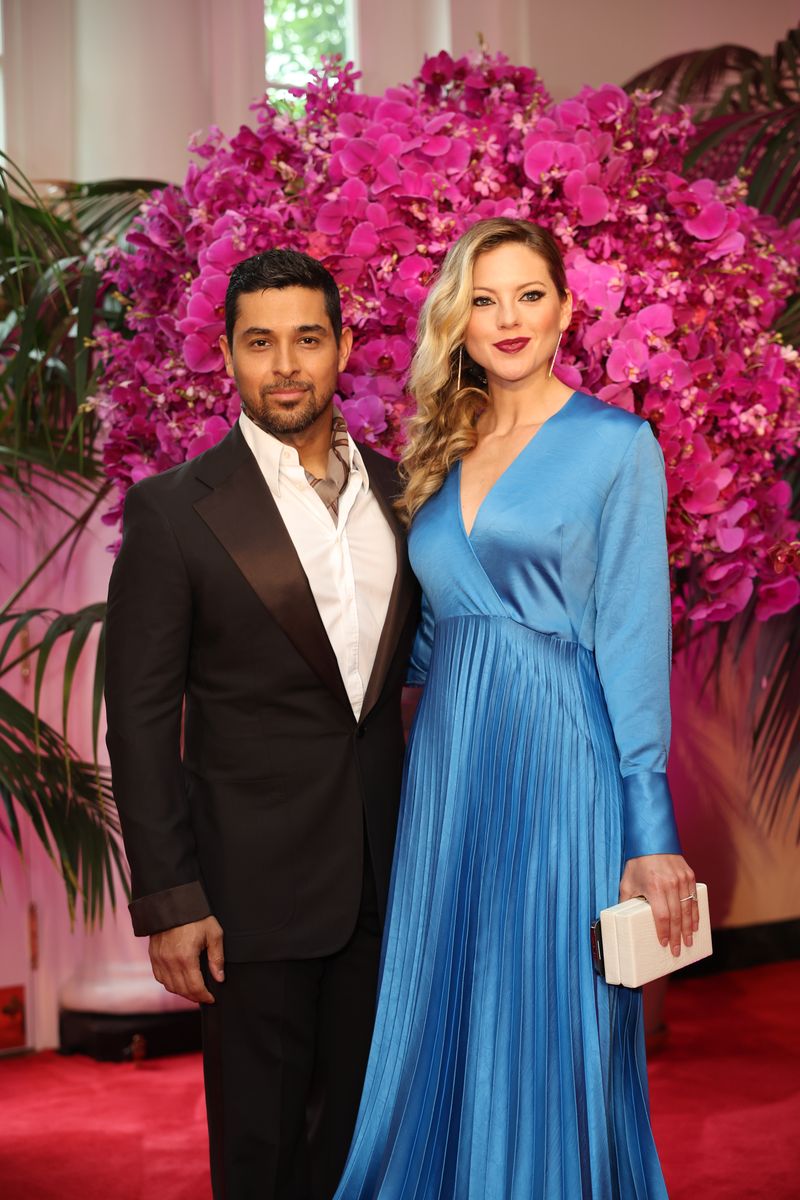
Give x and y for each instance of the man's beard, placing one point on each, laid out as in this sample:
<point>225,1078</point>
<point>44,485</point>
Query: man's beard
<point>279,421</point>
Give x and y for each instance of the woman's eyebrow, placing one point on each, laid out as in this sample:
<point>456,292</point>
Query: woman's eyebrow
<point>479,287</point>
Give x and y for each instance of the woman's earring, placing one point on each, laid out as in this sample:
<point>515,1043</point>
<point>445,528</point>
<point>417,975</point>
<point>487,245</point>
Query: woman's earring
<point>460,358</point>
<point>555,354</point>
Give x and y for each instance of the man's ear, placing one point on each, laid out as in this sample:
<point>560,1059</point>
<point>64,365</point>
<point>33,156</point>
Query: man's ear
<point>345,347</point>
<point>226,354</point>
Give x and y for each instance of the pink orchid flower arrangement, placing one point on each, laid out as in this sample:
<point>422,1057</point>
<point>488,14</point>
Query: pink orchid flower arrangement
<point>677,285</point>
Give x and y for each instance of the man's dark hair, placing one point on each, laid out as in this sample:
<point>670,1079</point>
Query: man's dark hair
<point>282,269</point>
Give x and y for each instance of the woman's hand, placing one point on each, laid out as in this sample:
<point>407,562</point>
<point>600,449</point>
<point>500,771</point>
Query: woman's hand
<point>665,881</point>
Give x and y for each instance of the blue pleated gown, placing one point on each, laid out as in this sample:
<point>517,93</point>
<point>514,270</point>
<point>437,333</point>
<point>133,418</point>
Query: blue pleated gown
<point>502,1067</point>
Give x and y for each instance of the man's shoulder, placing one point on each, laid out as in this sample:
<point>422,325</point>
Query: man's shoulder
<point>383,471</point>
<point>189,479</point>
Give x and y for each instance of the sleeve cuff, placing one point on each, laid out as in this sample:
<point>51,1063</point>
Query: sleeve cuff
<point>164,910</point>
<point>649,818</point>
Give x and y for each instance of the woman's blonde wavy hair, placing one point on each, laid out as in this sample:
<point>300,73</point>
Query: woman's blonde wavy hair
<point>443,428</point>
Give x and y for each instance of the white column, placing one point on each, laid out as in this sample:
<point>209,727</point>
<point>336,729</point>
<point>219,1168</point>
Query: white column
<point>39,58</point>
<point>149,74</point>
<point>236,53</point>
<point>393,39</point>
<point>104,88</point>
<point>504,27</point>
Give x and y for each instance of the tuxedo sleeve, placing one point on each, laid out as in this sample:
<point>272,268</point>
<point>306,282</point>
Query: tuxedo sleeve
<point>148,637</point>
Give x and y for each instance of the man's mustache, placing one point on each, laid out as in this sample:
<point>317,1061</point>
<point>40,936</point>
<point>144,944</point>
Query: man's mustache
<point>297,385</point>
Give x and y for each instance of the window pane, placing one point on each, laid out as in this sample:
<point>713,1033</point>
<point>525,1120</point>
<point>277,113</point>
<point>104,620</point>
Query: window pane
<point>299,32</point>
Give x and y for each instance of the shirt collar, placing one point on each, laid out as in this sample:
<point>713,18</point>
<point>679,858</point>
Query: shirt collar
<point>268,453</point>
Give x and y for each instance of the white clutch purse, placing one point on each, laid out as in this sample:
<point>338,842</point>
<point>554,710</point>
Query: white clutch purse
<point>626,949</point>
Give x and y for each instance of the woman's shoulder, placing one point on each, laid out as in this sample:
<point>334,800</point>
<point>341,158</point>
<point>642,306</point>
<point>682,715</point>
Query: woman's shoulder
<point>615,427</point>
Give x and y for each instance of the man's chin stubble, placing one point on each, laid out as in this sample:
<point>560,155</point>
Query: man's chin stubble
<point>295,420</point>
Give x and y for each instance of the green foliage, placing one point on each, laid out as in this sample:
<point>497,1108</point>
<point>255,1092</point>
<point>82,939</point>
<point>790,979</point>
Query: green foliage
<point>69,806</point>
<point>51,301</point>
<point>747,110</point>
<point>299,33</point>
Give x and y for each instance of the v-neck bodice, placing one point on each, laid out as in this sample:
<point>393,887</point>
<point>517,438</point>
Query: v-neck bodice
<point>532,553</point>
<point>569,542</point>
<point>520,455</point>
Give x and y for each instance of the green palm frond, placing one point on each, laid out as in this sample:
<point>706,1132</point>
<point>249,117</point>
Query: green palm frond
<point>764,147</point>
<point>102,211</point>
<point>51,302</point>
<point>773,710</point>
<point>697,77</point>
<point>788,324</point>
<point>76,628</point>
<point>71,812</point>
<point>746,107</point>
<point>775,761</point>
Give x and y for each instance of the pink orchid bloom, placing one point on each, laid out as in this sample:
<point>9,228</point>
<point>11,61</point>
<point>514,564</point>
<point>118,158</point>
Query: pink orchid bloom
<point>677,286</point>
<point>387,354</point>
<point>365,416</point>
<point>778,597</point>
<point>214,430</point>
<point>627,362</point>
<point>544,157</point>
<point>730,536</point>
<point>668,370</point>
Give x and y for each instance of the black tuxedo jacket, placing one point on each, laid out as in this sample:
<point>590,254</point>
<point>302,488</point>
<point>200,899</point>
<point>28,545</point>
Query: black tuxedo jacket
<point>254,810</point>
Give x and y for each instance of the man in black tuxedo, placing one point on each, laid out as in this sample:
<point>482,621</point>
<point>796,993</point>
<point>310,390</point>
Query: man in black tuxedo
<point>263,595</point>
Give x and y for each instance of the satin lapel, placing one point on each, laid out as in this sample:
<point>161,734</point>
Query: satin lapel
<point>243,516</point>
<point>400,601</point>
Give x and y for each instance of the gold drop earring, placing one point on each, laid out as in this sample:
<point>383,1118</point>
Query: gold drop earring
<point>460,357</point>
<point>555,353</point>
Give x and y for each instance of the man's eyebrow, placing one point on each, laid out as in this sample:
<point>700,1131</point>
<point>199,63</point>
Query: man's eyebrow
<point>261,331</point>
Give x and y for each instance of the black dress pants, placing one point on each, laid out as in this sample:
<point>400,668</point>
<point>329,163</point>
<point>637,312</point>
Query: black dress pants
<point>285,1049</point>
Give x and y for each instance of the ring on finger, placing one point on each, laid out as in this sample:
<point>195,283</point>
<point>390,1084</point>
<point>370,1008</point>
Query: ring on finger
<point>686,899</point>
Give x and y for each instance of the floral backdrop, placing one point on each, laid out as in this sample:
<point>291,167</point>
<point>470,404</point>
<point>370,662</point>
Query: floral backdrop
<point>677,284</point>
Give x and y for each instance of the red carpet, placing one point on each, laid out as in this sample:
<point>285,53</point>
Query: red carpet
<point>725,1099</point>
<point>725,1090</point>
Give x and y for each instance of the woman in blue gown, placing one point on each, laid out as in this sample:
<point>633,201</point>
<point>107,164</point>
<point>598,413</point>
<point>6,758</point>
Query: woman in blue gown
<point>502,1067</point>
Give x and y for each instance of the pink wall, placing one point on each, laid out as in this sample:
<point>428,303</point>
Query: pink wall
<point>65,586</point>
<point>96,90</point>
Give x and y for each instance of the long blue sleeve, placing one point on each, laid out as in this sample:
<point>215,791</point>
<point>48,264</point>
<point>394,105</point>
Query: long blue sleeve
<point>633,642</point>
<point>423,646</point>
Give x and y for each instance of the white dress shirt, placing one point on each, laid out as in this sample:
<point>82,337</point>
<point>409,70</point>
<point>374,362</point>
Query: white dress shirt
<point>350,566</point>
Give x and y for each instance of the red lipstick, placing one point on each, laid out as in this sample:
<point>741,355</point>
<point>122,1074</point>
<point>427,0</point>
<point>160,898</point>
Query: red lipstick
<point>512,345</point>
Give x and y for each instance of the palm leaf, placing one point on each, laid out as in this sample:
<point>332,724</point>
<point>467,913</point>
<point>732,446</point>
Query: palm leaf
<point>51,300</point>
<point>766,148</point>
<point>73,816</point>
<point>776,728</point>
<point>72,533</point>
<point>788,324</point>
<point>696,77</point>
<point>104,210</point>
<point>746,108</point>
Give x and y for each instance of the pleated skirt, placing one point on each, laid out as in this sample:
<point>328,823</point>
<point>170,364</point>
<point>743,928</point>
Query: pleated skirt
<point>502,1067</point>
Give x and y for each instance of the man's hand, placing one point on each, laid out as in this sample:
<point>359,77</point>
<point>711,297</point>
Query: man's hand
<point>175,958</point>
<point>667,883</point>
